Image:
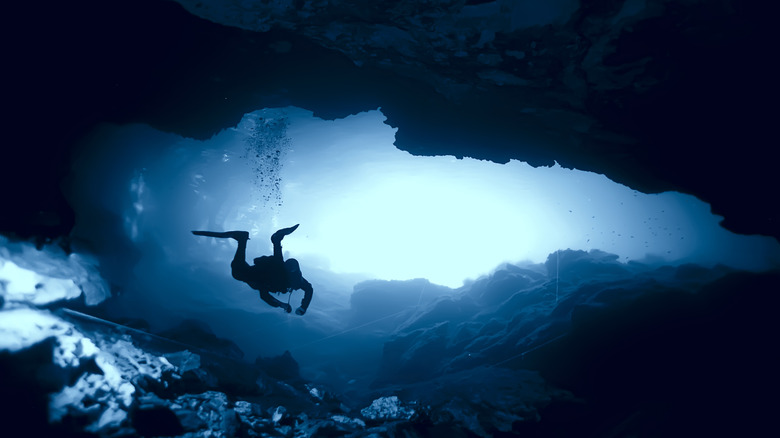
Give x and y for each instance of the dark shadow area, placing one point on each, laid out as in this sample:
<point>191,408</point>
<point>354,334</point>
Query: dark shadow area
<point>74,66</point>
<point>108,331</point>
<point>581,345</point>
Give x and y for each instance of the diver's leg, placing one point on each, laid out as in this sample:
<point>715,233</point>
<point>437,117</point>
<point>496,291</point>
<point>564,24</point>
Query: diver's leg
<point>240,256</point>
<point>239,266</point>
<point>276,239</point>
<point>278,252</point>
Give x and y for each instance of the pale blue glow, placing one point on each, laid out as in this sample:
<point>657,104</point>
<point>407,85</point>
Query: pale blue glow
<point>370,209</point>
<point>367,207</point>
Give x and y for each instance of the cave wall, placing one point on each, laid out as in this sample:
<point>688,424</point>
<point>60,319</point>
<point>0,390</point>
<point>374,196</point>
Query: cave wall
<point>657,95</point>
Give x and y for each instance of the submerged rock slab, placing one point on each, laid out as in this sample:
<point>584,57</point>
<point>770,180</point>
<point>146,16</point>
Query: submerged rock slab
<point>24,285</point>
<point>387,408</point>
<point>595,347</point>
<point>49,274</point>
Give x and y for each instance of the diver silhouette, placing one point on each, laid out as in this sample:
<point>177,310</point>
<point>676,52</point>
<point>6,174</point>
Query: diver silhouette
<point>269,273</point>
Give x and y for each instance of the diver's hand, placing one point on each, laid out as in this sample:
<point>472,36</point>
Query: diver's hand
<point>287,308</point>
<point>300,311</point>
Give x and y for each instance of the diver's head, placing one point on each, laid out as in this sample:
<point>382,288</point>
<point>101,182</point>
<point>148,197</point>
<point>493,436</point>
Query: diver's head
<point>292,267</point>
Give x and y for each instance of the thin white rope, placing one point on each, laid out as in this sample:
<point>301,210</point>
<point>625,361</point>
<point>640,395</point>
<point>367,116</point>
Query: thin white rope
<point>348,330</point>
<point>522,355</point>
<point>419,299</point>
<point>557,269</point>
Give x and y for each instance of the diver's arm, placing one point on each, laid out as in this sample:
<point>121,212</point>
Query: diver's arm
<point>308,292</point>
<point>273,302</point>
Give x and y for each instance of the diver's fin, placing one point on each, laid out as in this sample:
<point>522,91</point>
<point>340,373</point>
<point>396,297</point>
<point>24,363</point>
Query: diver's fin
<point>279,235</point>
<point>210,233</point>
<point>238,235</point>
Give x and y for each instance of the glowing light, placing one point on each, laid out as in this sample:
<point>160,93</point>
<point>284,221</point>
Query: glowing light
<point>366,207</point>
<point>369,207</point>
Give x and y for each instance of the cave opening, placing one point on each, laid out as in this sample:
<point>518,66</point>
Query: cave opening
<point>452,296</point>
<point>367,210</point>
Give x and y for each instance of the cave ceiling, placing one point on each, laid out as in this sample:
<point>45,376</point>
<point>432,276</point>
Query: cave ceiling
<point>658,95</point>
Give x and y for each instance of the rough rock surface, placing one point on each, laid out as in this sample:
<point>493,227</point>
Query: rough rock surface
<point>656,94</point>
<point>601,348</point>
<point>580,346</point>
<point>48,274</point>
<point>635,89</point>
<point>385,408</point>
<point>75,377</point>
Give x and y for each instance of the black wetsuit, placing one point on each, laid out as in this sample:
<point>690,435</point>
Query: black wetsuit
<point>269,274</point>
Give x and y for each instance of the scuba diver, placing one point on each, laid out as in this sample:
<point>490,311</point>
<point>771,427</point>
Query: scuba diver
<point>269,273</point>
